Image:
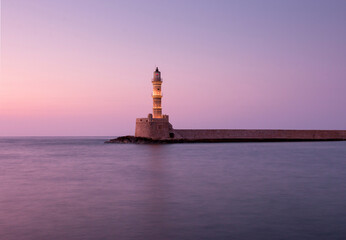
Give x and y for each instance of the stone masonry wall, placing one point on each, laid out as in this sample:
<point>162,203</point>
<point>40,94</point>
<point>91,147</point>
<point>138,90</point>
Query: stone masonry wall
<point>153,128</point>
<point>195,134</point>
<point>160,128</point>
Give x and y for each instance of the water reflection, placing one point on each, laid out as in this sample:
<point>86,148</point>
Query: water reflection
<point>156,211</point>
<point>87,190</point>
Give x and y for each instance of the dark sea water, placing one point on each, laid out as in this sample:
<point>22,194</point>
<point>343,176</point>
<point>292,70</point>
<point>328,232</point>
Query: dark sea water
<point>80,188</point>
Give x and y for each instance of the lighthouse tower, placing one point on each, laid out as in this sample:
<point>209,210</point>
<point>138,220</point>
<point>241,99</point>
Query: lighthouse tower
<point>156,125</point>
<point>157,96</point>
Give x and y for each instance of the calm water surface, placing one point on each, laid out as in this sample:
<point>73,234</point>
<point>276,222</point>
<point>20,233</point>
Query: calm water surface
<point>80,188</point>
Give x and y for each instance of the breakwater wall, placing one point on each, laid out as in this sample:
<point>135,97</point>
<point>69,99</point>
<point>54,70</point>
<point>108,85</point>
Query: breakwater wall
<point>161,129</point>
<point>258,134</point>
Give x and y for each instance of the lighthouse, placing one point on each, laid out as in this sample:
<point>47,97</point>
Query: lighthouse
<point>156,125</point>
<point>157,96</point>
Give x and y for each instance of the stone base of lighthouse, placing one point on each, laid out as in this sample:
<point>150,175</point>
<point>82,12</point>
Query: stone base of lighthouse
<point>154,128</point>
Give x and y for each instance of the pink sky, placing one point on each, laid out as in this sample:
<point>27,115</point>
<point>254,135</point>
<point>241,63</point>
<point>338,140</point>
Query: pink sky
<point>85,67</point>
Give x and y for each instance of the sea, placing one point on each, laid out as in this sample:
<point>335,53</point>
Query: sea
<point>80,188</point>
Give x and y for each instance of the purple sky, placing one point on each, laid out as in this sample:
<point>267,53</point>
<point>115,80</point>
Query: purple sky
<point>84,67</point>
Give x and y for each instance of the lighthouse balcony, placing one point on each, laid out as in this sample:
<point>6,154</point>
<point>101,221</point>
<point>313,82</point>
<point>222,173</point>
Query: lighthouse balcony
<point>156,81</point>
<point>156,95</point>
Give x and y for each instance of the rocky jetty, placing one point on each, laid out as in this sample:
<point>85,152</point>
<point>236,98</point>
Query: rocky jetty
<point>130,139</point>
<point>144,140</point>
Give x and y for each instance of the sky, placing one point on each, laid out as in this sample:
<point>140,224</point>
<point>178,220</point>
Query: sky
<point>84,67</point>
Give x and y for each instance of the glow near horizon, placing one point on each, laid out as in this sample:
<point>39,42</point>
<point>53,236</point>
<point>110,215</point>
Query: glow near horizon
<point>85,67</point>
